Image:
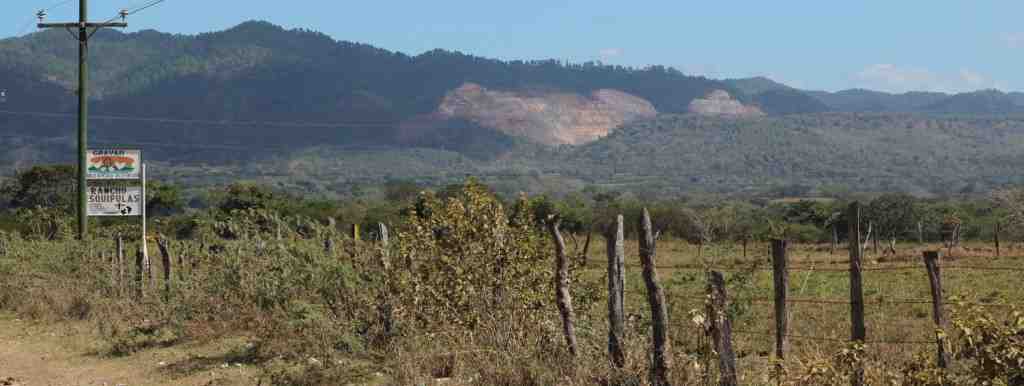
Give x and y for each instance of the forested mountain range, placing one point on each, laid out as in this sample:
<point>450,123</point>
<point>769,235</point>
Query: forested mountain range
<point>260,101</point>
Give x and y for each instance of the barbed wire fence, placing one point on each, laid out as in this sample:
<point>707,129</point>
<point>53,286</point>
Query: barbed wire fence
<point>780,270</point>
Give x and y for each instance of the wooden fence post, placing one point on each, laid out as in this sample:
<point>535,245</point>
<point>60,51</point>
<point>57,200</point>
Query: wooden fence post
<point>165,256</point>
<point>835,240</point>
<point>858,332</point>
<point>562,296</point>
<point>140,272</point>
<point>182,260</point>
<point>615,238</point>
<point>656,299</point>
<point>119,263</point>
<point>781,277</point>
<point>721,329</point>
<point>931,262</point>
<point>586,247</point>
<point>996,234</point>
<point>386,308</point>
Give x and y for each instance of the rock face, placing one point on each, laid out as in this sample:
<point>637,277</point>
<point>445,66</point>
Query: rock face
<point>720,103</point>
<point>550,117</point>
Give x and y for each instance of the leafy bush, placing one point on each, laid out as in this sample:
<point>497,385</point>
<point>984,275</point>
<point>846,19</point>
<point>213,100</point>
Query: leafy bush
<point>468,259</point>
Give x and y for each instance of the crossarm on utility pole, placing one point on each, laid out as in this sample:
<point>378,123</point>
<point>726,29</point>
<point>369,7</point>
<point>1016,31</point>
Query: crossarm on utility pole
<point>79,25</point>
<point>83,26</point>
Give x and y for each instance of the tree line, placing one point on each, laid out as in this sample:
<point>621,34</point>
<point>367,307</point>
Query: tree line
<point>46,193</point>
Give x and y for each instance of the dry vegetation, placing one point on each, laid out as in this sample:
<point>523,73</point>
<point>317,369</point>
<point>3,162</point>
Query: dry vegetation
<point>463,294</point>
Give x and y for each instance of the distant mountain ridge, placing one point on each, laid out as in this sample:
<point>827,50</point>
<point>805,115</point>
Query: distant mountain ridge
<point>258,71</point>
<point>261,99</point>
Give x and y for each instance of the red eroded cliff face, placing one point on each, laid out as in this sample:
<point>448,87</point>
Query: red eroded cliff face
<point>550,117</point>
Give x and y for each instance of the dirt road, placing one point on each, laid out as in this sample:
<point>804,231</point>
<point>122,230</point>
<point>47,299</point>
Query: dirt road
<point>35,354</point>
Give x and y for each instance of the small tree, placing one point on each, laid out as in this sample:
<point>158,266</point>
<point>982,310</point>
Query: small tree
<point>163,199</point>
<point>892,215</point>
<point>470,259</point>
<point>46,186</point>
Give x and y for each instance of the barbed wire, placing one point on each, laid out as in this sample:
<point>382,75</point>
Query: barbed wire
<point>897,301</point>
<point>825,339</point>
<point>806,268</point>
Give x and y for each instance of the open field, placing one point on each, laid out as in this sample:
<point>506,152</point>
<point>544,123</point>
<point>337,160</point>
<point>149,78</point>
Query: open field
<point>896,294</point>
<point>112,334</point>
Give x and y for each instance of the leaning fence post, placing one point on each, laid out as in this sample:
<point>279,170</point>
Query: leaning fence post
<point>165,258</point>
<point>656,299</point>
<point>615,238</point>
<point>931,262</point>
<point>781,278</point>
<point>562,296</point>
<point>858,333</point>
<point>721,329</point>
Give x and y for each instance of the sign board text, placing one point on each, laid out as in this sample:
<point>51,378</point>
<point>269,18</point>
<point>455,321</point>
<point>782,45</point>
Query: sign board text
<point>109,164</point>
<point>114,198</point>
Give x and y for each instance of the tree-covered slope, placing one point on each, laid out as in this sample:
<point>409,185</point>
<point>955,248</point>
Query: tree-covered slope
<point>863,152</point>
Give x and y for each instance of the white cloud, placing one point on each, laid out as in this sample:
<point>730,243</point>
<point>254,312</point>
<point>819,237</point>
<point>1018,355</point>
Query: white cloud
<point>1014,40</point>
<point>610,52</point>
<point>894,78</point>
<point>972,78</point>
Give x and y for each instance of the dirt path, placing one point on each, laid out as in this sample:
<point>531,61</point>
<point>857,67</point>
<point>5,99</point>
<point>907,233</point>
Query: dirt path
<point>33,354</point>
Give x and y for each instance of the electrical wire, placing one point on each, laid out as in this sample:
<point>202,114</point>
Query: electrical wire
<point>31,20</point>
<point>133,11</point>
<point>282,124</point>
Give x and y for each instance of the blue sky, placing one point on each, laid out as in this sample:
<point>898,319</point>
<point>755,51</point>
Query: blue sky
<point>893,45</point>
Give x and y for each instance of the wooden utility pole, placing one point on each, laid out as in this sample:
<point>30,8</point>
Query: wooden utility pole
<point>85,31</point>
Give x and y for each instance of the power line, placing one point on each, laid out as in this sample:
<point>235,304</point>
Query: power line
<point>208,122</point>
<point>31,20</point>
<point>126,12</point>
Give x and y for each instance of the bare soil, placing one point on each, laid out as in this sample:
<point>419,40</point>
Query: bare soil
<point>68,354</point>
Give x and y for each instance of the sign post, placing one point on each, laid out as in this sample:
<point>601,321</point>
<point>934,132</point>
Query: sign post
<point>145,250</point>
<point>111,191</point>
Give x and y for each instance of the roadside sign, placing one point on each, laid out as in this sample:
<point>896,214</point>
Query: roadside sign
<point>114,198</point>
<point>110,164</point>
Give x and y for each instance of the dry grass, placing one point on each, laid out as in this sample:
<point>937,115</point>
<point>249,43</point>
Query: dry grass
<point>513,349</point>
